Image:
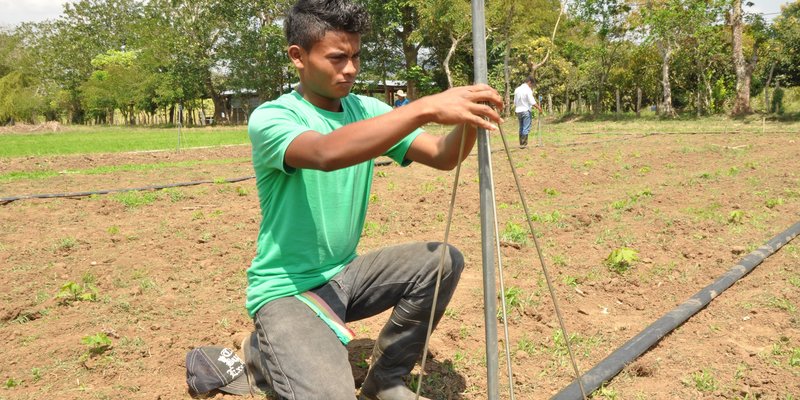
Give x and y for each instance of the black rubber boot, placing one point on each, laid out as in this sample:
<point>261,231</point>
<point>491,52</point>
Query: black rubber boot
<point>397,350</point>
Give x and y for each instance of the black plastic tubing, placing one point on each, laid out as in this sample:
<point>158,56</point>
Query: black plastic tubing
<point>616,361</point>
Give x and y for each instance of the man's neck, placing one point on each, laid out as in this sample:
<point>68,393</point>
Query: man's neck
<point>325,103</point>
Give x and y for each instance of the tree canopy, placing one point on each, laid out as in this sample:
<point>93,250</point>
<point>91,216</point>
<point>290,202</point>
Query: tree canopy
<point>127,61</point>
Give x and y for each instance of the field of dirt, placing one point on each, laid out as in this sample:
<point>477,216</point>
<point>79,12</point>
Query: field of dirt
<point>160,272</point>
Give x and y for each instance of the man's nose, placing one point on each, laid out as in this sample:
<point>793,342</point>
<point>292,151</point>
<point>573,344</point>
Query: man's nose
<point>351,67</point>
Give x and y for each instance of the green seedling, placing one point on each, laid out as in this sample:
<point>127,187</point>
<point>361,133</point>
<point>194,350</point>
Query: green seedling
<point>736,217</point>
<point>794,358</point>
<point>133,200</point>
<point>240,191</point>
<point>98,343</point>
<point>551,192</point>
<point>621,259</point>
<point>71,292</point>
<point>12,383</point>
<point>704,381</point>
<point>514,233</point>
<point>772,203</point>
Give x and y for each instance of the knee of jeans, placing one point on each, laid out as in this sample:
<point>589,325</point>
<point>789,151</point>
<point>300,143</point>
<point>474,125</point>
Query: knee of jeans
<point>456,261</point>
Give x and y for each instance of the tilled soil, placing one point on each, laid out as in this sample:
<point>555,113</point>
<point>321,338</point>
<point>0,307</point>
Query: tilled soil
<point>167,268</point>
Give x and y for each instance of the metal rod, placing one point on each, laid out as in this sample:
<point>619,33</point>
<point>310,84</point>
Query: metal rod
<point>487,212</point>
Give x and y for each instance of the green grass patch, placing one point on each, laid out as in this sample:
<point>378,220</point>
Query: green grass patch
<point>33,175</point>
<point>85,140</point>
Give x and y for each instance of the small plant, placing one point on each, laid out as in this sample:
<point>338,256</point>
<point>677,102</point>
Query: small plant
<point>72,292</point>
<point>551,192</point>
<point>736,217</point>
<point>66,244</point>
<point>527,345</point>
<point>514,301</point>
<point>772,203</point>
<point>704,381</point>
<point>514,233</point>
<point>621,259</point>
<point>605,393</point>
<point>782,304</point>
<point>37,374</point>
<point>240,191</point>
<point>174,195</point>
<point>133,200</point>
<point>98,343</point>
<point>12,383</point>
<point>381,174</point>
<point>794,358</point>
<point>570,281</point>
<point>373,198</point>
<point>113,230</point>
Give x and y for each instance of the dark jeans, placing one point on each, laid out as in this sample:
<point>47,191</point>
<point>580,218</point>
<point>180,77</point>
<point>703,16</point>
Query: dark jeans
<point>306,360</point>
<point>524,122</point>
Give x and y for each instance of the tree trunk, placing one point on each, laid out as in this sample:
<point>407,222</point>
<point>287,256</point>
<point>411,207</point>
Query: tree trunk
<point>550,103</point>
<point>638,101</point>
<point>446,63</point>
<point>666,54</point>
<point>766,89</point>
<point>410,50</point>
<point>506,60</point>
<point>741,105</point>
<point>619,104</point>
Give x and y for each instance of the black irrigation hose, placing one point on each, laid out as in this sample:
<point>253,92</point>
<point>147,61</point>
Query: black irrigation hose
<point>614,363</point>
<point>6,200</point>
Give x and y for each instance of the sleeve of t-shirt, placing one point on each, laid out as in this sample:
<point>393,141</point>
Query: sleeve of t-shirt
<point>272,128</point>
<point>399,150</point>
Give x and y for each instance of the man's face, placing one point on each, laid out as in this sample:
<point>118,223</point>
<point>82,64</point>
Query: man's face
<point>328,70</point>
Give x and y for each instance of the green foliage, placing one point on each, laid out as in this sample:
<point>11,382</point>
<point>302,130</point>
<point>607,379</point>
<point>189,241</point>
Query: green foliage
<point>704,381</point>
<point>621,260</point>
<point>12,383</point>
<point>736,217</point>
<point>514,233</point>
<point>773,202</point>
<point>71,292</point>
<point>98,343</point>
<point>135,199</point>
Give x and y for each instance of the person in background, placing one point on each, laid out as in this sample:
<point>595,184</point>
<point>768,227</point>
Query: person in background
<point>313,152</point>
<point>401,99</point>
<point>523,102</point>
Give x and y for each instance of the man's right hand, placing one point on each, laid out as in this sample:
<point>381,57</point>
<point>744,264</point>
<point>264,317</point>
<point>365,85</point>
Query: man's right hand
<point>465,104</point>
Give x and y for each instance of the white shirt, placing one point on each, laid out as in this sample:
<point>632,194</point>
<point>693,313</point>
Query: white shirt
<point>523,98</point>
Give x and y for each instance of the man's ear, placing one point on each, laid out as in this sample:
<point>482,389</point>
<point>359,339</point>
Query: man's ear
<point>297,55</point>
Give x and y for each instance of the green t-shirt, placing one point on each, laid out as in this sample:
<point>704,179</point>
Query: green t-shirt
<point>311,220</point>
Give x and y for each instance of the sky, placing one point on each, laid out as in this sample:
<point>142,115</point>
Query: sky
<point>13,12</point>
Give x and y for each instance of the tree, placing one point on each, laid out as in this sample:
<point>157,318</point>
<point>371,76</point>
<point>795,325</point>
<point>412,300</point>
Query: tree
<point>744,69</point>
<point>450,19</point>
<point>609,18</point>
<point>787,33</point>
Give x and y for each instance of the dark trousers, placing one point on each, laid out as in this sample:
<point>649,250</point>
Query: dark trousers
<point>306,360</point>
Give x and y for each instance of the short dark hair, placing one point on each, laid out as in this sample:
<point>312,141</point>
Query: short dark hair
<point>309,20</point>
<point>530,79</point>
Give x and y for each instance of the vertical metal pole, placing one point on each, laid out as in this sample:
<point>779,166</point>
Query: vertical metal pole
<point>487,211</point>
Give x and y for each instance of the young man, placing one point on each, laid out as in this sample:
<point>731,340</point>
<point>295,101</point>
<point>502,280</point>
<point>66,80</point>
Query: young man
<point>313,152</point>
<point>523,102</point>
